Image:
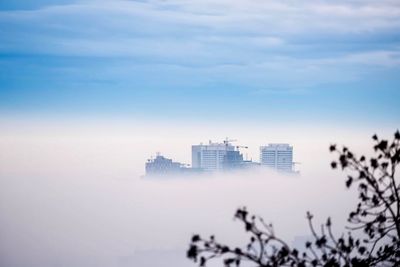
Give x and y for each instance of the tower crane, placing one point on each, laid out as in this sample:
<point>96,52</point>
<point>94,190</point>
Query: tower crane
<point>227,141</point>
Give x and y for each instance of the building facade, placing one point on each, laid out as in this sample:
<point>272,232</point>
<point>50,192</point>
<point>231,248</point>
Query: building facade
<point>211,157</point>
<point>233,160</point>
<point>277,156</point>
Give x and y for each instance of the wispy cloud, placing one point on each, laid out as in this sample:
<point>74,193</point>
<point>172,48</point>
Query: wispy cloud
<point>124,26</point>
<point>253,45</point>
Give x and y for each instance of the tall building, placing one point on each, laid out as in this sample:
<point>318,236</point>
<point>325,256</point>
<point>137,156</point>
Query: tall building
<point>212,156</point>
<point>277,156</point>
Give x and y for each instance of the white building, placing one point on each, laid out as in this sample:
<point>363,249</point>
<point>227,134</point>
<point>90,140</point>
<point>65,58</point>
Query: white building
<point>210,157</point>
<point>277,156</point>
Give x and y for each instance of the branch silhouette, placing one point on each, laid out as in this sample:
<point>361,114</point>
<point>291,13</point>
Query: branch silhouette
<point>376,217</point>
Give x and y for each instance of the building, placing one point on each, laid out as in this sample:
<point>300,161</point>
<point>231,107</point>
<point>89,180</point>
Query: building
<point>277,156</point>
<point>233,160</point>
<point>214,156</point>
<point>162,166</point>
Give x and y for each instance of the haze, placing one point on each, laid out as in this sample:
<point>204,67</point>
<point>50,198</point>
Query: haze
<point>72,193</point>
<point>91,89</point>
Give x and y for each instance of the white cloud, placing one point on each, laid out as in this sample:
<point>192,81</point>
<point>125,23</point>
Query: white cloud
<point>254,42</point>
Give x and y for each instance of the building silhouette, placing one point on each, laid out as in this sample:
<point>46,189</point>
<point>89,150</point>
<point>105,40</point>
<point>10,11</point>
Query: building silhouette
<point>223,157</point>
<point>216,156</point>
<point>232,160</point>
<point>277,156</point>
<point>161,165</point>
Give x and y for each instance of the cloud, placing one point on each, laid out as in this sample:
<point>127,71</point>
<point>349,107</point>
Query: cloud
<point>115,27</point>
<point>254,45</point>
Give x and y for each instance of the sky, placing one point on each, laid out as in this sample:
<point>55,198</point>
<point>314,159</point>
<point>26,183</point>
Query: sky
<point>90,89</point>
<point>328,62</point>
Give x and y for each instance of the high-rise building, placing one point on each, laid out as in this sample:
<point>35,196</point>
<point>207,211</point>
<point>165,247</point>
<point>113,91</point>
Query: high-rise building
<point>277,156</point>
<point>212,156</point>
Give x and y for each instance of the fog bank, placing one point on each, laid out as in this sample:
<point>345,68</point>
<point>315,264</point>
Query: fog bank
<point>74,196</point>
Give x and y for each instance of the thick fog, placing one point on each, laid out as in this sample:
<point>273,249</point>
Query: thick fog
<point>72,193</point>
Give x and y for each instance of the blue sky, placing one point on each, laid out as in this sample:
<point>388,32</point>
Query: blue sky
<point>307,61</point>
